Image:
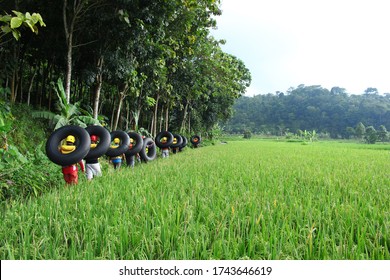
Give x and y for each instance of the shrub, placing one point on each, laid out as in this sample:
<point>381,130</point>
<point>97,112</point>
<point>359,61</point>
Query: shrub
<point>247,134</point>
<point>24,169</point>
<point>371,135</point>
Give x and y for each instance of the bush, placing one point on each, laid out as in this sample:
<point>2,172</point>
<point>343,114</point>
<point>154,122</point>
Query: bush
<point>247,134</point>
<point>24,176</point>
<point>25,169</point>
<point>371,135</point>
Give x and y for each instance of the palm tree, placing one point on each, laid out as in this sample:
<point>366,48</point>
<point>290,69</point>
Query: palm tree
<point>70,114</point>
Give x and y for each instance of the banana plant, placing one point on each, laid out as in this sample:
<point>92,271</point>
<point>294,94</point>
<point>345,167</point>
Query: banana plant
<point>310,135</point>
<point>69,114</point>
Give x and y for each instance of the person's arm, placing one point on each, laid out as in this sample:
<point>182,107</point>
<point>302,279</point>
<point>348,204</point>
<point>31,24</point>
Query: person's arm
<point>81,163</point>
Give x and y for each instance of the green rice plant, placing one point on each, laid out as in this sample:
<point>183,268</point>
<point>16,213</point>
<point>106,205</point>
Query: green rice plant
<point>242,200</point>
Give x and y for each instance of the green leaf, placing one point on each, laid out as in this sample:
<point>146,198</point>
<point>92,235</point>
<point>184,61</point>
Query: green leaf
<point>16,34</point>
<point>31,25</point>
<point>16,22</point>
<point>150,101</point>
<point>62,122</point>
<point>6,29</point>
<point>28,16</point>
<point>5,18</point>
<point>43,114</point>
<point>18,14</point>
<point>38,18</point>
<point>35,29</point>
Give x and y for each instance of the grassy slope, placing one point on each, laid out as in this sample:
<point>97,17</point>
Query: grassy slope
<point>33,175</point>
<point>253,199</point>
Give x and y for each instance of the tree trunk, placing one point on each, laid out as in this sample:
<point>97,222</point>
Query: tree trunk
<point>189,122</point>
<point>183,123</point>
<point>13,93</point>
<point>30,87</point>
<point>154,118</point>
<point>112,116</point>
<point>99,81</point>
<point>136,116</point>
<point>118,112</point>
<point>68,27</point>
<point>50,93</point>
<point>14,77</point>
<point>161,118</point>
<point>128,119</point>
<point>167,117</point>
<point>68,69</point>
<point>122,96</point>
<point>21,86</point>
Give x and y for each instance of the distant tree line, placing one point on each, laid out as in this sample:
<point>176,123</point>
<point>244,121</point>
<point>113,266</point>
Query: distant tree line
<point>130,64</point>
<point>331,113</point>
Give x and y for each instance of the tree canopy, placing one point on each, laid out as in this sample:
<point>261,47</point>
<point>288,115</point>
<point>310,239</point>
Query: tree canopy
<point>150,64</point>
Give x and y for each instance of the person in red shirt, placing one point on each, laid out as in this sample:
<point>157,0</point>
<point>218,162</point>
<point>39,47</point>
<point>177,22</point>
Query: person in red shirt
<point>71,172</point>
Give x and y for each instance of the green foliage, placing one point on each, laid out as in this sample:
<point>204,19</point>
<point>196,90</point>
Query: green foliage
<point>383,134</point>
<point>6,118</point>
<point>68,113</point>
<point>12,24</point>
<point>26,175</point>
<point>309,135</point>
<point>310,108</point>
<point>360,130</point>
<point>214,133</point>
<point>4,92</point>
<point>24,169</point>
<point>371,135</point>
<point>160,51</point>
<point>247,134</point>
<point>144,132</point>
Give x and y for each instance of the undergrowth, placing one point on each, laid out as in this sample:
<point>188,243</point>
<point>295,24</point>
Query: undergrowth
<point>25,170</point>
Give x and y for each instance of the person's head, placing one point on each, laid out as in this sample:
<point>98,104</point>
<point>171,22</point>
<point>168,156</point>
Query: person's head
<point>70,140</point>
<point>164,140</point>
<point>94,138</point>
<point>117,140</point>
<point>175,140</point>
<point>131,141</point>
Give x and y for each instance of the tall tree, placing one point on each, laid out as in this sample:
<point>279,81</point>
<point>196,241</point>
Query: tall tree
<point>73,13</point>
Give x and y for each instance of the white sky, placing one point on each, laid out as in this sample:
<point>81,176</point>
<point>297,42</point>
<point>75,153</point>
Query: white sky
<point>285,43</point>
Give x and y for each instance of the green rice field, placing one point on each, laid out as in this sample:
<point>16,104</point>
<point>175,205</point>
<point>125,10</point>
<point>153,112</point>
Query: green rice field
<point>252,199</point>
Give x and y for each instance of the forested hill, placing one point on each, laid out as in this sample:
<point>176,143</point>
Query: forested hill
<point>334,113</point>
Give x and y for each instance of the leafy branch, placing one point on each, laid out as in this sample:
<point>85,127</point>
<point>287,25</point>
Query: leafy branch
<point>12,24</point>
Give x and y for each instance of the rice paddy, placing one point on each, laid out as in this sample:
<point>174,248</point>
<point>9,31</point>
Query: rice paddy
<point>242,200</point>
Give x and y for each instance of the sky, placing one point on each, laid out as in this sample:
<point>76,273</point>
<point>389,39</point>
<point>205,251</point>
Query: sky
<point>285,43</point>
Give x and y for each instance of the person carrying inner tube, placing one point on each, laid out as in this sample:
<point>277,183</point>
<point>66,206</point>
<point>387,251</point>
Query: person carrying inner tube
<point>130,160</point>
<point>92,165</point>
<point>71,172</point>
<point>165,151</point>
<point>116,161</point>
<point>195,141</point>
<point>174,149</point>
